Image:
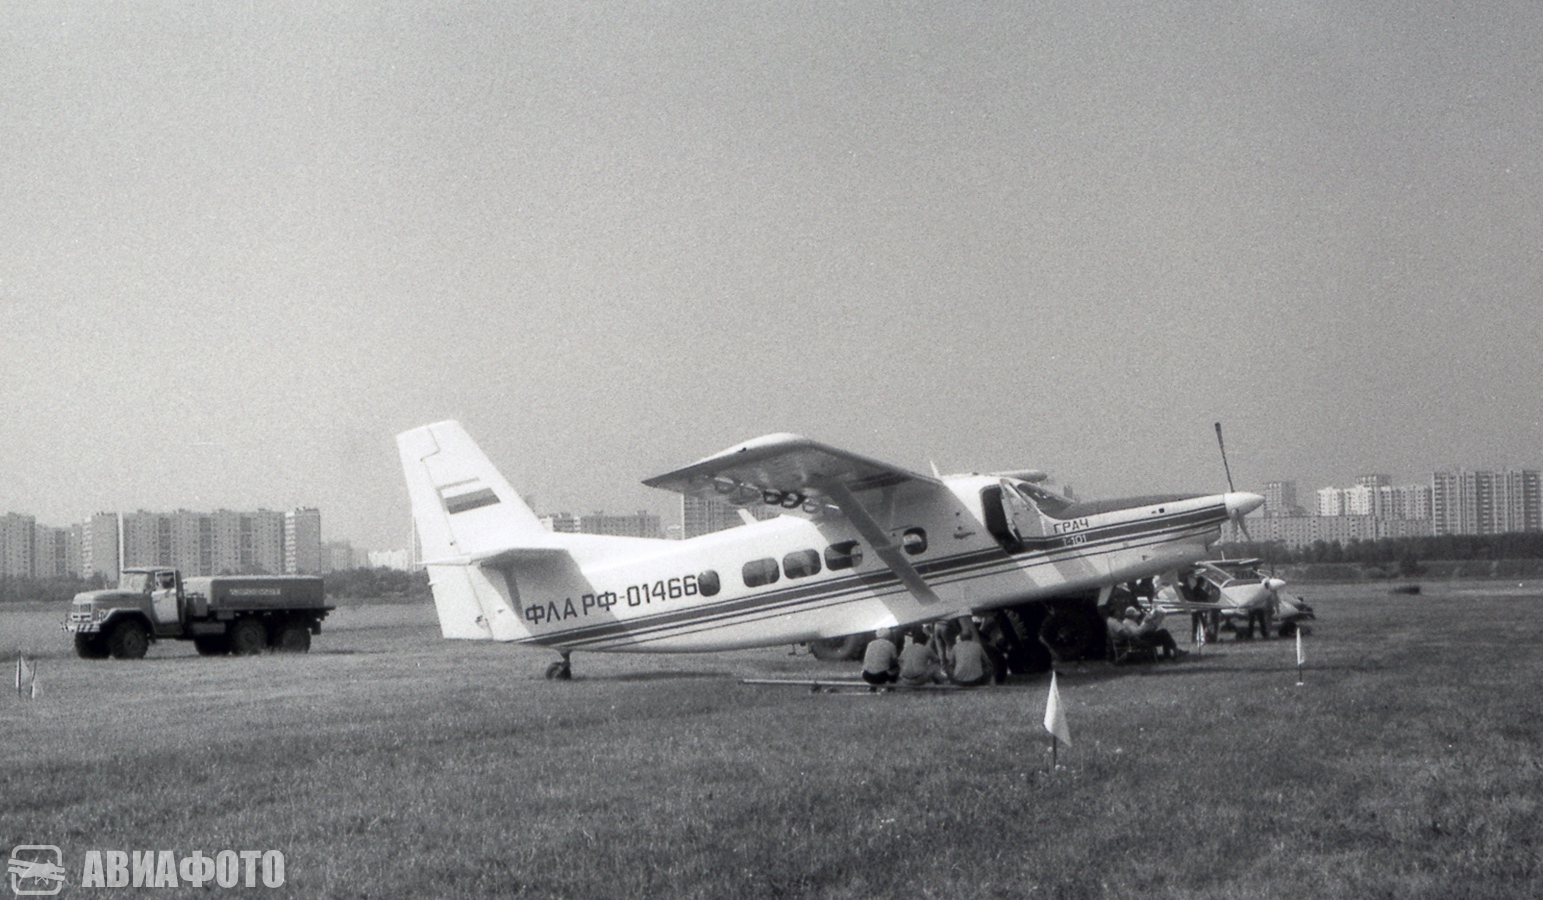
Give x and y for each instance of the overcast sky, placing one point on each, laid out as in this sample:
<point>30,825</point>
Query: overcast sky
<point>243,245</point>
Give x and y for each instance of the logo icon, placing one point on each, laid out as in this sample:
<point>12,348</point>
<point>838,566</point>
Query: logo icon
<point>37,870</point>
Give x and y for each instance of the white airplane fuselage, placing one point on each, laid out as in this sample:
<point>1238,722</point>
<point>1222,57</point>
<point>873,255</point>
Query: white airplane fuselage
<point>712,592</point>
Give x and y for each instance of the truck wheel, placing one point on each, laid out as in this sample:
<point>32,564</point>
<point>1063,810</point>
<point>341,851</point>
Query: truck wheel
<point>212,645</point>
<point>129,640</point>
<point>90,646</point>
<point>248,638</point>
<point>293,638</point>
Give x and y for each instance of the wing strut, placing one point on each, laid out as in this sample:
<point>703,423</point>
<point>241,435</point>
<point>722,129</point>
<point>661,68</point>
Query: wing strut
<point>878,538</point>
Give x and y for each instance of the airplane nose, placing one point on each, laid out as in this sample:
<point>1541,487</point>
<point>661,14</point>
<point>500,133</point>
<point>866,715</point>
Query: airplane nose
<point>1241,503</point>
<point>1274,584</point>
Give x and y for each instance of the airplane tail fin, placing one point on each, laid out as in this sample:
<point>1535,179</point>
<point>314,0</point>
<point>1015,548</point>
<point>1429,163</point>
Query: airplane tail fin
<point>471,525</point>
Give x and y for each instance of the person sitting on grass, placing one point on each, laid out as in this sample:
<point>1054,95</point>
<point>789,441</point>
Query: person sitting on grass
<point>881,664</point>
<point>919,663</point>
<point>971,667</point>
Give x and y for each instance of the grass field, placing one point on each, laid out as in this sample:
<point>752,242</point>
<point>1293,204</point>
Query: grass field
<point>389,763</point>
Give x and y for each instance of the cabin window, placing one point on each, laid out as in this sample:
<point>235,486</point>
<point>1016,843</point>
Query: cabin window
<point>845,555</point>
<point>801,563</point>
<point>760,571</point>
<point>914,540</point>
<point>707,583</point>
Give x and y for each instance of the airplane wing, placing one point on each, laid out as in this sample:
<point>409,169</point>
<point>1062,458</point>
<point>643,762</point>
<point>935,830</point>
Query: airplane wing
<point>802,475</point>
<point>785,469</point>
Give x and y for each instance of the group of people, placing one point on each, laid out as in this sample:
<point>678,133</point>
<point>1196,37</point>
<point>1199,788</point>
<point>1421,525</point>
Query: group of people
<point>927,657</point>
<point>1143,627</point>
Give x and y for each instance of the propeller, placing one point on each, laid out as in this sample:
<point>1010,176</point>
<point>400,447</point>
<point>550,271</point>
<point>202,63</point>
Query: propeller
<point>1238,516</point>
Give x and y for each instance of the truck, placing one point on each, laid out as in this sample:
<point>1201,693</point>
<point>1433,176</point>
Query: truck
<point>235,614</point>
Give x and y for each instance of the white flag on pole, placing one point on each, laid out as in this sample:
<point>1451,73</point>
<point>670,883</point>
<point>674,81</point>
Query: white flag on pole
<point>26,678</point>
<point>1300,658</point>
<point>1055,716</point>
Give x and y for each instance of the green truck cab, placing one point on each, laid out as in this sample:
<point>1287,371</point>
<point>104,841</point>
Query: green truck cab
<point>239,614</point>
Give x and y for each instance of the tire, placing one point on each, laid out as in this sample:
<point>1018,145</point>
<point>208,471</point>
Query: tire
<point>248,638</point>
<point>559,671</point>
<point>294,637</point>
<point>840,649</point>
<point>212,644</point>
<point>91,646</point>
<point>129,640</point>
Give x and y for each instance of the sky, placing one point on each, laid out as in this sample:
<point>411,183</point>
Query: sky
<point>243,245</point>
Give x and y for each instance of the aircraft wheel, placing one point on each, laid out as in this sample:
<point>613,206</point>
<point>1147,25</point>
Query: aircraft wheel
<point>1288,629</point>
<point>129,640</point>
<point>248,638</point>
<point>212,645</point>
<point>90,646</point>
<point>559,671</point>
<point>839,649</point>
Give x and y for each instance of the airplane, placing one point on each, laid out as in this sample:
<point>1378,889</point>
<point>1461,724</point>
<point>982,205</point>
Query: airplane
<point>1232,592</point>
<point>861,545</point>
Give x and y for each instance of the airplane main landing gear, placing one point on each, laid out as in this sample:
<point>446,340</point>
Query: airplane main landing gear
<point>561,670</point>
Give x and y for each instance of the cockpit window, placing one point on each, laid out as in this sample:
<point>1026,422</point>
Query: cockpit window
<point>1049,502</point>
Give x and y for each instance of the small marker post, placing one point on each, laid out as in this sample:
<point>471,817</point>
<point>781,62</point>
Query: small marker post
<point>1301,659</point>
<point>1055,722</point>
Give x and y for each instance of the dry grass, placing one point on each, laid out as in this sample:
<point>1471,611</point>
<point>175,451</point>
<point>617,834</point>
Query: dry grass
<point>388,763</point>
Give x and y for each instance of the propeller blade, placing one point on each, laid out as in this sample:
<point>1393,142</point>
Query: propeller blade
<point>1239,516</point>
<point>1223,447</point>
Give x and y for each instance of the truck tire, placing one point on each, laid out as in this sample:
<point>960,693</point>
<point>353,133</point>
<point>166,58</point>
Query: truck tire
<point>129,640</point>
<point>248,637</point>
<point>91,646</point>
<point>294,637</point>
<point>212,644</point>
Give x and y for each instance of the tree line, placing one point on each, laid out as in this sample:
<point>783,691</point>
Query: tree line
<point>1405,554</point>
